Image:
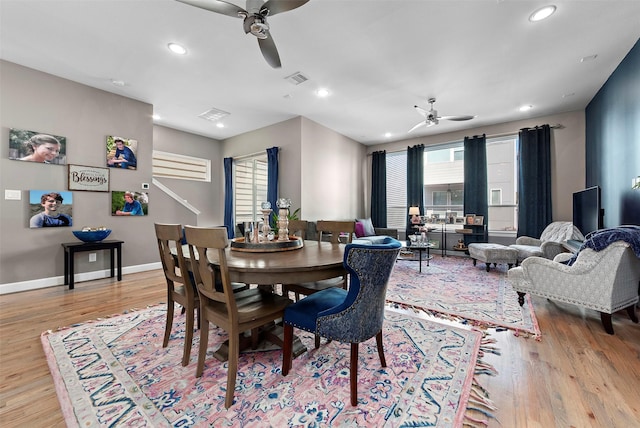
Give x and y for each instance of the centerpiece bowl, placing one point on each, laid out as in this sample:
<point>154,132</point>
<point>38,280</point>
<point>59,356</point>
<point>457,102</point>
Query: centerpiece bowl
<point>92,235</point>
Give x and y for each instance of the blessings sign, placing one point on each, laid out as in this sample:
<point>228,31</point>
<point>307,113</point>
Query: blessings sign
<point>89,178</point>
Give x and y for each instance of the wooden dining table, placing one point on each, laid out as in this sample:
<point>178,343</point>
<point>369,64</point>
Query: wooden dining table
<point>314,261</point>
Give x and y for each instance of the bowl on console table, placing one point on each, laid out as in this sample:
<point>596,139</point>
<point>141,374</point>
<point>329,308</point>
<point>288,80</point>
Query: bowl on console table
<point>91,235</point>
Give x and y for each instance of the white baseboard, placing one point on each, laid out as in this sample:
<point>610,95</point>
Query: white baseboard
<point>35,284</point>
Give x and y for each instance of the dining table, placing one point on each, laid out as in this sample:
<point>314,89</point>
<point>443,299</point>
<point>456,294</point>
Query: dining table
<point>313,261</point>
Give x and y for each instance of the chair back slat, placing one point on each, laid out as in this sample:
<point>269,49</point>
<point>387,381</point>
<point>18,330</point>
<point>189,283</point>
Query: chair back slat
<point>169,237</point>
<point>298,228</point>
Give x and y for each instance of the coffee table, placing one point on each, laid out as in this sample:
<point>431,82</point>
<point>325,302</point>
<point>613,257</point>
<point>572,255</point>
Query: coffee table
<point>421,248</point>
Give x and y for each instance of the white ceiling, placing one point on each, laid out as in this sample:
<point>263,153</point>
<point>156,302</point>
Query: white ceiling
<point>377,58</point>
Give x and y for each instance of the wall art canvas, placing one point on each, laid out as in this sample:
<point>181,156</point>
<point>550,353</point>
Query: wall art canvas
<point>39,147</point>
<point>126,203</point>
<point>89,178</point>
<point>122,152</point>
<point>50,208</point>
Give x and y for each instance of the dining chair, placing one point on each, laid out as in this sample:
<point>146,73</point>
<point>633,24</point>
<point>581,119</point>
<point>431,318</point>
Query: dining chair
<point>234,312</point>
<point>352,316</point>
<point>335,229</point>
<point>298,228</point>
<point>180,286</point>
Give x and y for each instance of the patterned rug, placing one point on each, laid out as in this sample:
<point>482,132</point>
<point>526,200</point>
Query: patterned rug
<point>114,372</point>
<point>453,288</point>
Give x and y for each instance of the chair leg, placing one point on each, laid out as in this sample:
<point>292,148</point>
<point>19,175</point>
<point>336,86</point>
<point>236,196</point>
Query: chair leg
<point>202,352</point>
<point>317,341</point>
<point>631,310</point>
<point>287,349</point>
<point>354,374</point>
<point>383,361</point>
<point>606,322</point>
<point>521,298</point>
<point>188,336</point>
<point>169,324</point>
<point>234,353</point>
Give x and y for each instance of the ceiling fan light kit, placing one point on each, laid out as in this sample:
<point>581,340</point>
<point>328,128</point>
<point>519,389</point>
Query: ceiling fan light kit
<point>254,20</point>
<point>431,117</point>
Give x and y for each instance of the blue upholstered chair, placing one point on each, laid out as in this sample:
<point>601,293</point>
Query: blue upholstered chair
<point>351,316</point>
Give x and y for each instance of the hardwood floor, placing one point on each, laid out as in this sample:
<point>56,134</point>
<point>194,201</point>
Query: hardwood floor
<point>576,376</point>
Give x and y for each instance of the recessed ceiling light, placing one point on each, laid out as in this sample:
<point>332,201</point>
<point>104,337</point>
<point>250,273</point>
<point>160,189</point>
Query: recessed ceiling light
<point>526,108</point>
<point>387,134</point>
<point>177,49</point>
<point>322,92</point>
<point>220,125</point>
<point>116,82</point>
<point>570,94</point>
<point>155,117</point>
<point>542,13</point>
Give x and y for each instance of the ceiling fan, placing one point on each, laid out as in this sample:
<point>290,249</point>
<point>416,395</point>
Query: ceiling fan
<point>254,19</point>
<point>432,118</point>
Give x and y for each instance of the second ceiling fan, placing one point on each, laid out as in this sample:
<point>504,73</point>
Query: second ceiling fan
<point>431,116</point>
<point>254,20</point>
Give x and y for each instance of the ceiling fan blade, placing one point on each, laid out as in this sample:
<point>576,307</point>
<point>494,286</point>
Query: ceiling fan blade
<point>279,6</point>
<point>269,51</point>
<point>419,125</point>
<point>457,118</point>
<point>218,6</point>
<point>422,112</point>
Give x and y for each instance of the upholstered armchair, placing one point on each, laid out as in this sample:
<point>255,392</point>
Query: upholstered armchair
<point>549,244</point>
<point>352,316</point>
<point>605,280</point>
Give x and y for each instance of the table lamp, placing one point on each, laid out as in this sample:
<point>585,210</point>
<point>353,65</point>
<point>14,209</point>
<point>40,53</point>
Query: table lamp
<point>414,212</point>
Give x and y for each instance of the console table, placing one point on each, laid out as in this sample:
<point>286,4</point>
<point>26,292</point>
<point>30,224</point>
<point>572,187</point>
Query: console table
<point>71,248</point>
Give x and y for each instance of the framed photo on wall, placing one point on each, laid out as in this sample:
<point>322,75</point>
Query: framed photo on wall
<point>122,152</point>
<point>88,178</point>
<point>50,208</point>
<point>126,203</point>
<point>39,147</point>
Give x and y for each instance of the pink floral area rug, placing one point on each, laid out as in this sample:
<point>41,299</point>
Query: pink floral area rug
<point>451,287</point>
<point>114,372</point>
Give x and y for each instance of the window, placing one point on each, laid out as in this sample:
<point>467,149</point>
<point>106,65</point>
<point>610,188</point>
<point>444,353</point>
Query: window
<point>444,180</point>
<point>250,187</point>
<point>397,190</point>
<point>172,165</point>
<point>502,173</point>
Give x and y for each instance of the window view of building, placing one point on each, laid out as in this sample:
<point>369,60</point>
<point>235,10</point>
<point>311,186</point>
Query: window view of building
<point>444,184</point>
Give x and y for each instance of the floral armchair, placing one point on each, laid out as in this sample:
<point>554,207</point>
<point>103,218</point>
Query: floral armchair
<point>605,280</point>
<point>549,244</point>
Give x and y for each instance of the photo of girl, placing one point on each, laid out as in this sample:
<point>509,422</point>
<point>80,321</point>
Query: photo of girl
<point>31,146</point>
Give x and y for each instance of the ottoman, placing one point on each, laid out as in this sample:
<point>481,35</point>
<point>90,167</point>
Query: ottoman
<point>493,253</point>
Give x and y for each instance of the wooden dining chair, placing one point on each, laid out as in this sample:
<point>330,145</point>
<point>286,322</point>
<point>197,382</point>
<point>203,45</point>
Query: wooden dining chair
<point>180,287</point>
<point>352,316</point>
<point>324,228</point>
<point>235,312</point>
<point>298,228</point>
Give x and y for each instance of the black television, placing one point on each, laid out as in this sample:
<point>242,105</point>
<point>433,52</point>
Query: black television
<point>587,210</point>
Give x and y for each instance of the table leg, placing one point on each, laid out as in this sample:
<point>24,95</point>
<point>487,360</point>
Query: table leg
<point>420,251</point>
<point>427,253</point>
<point>71,268</point>
<point>66,266</point>
<point>111,260</point>
<point>119,262</point>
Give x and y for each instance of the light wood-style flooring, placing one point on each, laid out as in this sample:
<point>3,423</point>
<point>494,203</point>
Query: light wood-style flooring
<point>576,376</point>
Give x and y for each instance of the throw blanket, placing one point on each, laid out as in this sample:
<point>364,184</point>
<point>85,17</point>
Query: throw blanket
<point>600,239</point>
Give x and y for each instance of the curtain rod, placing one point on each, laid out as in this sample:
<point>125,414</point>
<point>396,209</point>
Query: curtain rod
<point>253,155</point>
<point>503,134</point>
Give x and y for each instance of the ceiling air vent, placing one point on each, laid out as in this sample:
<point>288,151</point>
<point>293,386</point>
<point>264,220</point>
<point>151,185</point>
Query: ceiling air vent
<point>213,114</point>
<point>296,78</point>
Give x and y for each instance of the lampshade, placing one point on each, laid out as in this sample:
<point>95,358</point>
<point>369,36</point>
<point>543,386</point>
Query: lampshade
<point>414,210</point>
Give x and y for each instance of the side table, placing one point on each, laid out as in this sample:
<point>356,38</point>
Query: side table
<point>71,248</point>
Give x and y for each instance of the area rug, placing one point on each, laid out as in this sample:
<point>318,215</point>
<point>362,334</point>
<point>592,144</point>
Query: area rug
<point>114,372</point>
<point>456,289</point>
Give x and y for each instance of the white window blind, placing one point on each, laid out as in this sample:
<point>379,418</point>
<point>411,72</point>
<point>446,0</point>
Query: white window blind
<point>172,165</point>
<point>250,187</point>
<point>397,189</point>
